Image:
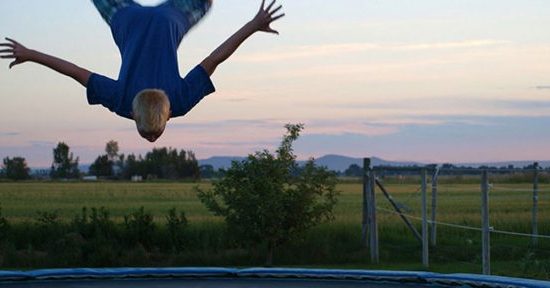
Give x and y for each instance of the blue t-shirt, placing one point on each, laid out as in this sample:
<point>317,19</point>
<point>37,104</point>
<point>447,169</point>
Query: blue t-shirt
<point>148,39</point>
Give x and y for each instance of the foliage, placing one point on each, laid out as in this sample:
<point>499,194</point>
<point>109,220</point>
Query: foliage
<point>64,165</point>
<point>48,217</point>
<point>140,228</point>
<point>97,224</point>
<point>207,171</point>
<point>262,200</point>
<point>111,148</point>
<point>162,163</point>
<point>16,168</point>
<point>102,167</point>
<point>354,170</point>
<point>176,225</point>
<point>4,227</point>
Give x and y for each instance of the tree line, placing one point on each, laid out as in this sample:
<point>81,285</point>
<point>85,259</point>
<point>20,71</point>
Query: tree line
<point>171,164</point>
<point>160,163</point>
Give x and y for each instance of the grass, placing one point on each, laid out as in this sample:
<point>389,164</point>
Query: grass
<point>332,245</point>
<point>20,201</point>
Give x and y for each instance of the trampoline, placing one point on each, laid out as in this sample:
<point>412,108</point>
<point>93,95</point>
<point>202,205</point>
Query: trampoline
<point>252,277</point>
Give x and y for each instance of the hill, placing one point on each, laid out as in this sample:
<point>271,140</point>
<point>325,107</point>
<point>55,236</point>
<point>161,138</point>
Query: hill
<point>341,163</point>
<point>332,162</point>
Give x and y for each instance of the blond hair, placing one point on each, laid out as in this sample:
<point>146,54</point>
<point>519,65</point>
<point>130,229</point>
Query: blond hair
<point>151,110</point>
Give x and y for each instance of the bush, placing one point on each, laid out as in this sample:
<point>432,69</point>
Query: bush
<point>139,228</point>
<point>176,225</point>
<point>4,227</point>
<point>96,225</point>
<point>267,200</point>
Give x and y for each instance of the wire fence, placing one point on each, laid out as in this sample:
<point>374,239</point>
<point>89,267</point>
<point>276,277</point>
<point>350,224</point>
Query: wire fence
<point>465,227</point>
<point>516,201</point>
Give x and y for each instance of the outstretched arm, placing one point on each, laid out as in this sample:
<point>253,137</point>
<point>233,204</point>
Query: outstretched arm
<point>261,22</point>
<point>14,50</point>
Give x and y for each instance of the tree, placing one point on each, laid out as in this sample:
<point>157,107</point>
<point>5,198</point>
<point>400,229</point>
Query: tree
<point>207,171</point>
<point>163,163</point>
<point>16,168</point>
<point>264,203</point>
<point>64,166</point>
<point>111,148</point>
<point>354,170</point>
<point>102,167</point>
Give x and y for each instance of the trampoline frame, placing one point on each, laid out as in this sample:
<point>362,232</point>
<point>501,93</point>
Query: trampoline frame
<point>424,278</point>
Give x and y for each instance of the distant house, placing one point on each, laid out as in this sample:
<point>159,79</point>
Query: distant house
<point>89,178</point>
<point>137,178</point>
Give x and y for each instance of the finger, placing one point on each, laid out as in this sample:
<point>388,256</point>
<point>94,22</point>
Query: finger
<point>263,5</point>
<point>14,63</point>
<point>7,45</point>
<point>270,30</point>
<point>8,57</point>
<point>277,17</point>
<point>270,5</point>
<point>13,41</point>
<point>7,51</point>
<point>276,9</point>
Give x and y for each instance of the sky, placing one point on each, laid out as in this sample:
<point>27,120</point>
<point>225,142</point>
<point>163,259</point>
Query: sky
<point>418,80</point>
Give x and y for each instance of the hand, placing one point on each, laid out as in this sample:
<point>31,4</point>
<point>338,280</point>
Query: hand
<point>266,16</point>
<point>15,51</point>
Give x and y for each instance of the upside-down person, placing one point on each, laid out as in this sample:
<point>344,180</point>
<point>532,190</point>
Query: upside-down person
<point>149,88</point>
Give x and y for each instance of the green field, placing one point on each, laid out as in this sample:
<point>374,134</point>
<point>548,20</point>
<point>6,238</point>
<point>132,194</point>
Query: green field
<point>336,244</point>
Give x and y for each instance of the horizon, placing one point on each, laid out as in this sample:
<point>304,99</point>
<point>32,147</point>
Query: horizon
<point>429,81</point>
<point>395,161</point>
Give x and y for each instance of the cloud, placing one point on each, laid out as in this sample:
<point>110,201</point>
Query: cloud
<point>42,143</point>
<point>543,87</point>
<point>450,45</point>
<point>9,134</point>
<point>238,143</point>
<point>310,51</point>
<point>235,123</point>
<point>456,105</point>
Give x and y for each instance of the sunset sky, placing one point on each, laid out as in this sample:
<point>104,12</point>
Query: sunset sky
<point>420,80</point>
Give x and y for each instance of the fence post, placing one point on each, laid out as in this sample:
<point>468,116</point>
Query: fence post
<point>534,221</point>
<point>485,235</point>
<point>425,251</point>
<point>373,224</point>
<point>366,187</point>
<point>433,231</point>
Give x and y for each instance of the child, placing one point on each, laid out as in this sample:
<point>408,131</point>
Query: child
<point>149,88</point>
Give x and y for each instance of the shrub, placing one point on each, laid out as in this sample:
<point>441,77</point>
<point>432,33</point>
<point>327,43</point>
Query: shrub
<point>139,228</point>
<point>266,200</point>
<point>176,225</point>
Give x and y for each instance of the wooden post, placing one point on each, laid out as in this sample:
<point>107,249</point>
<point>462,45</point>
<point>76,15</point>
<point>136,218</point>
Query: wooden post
<point>486,230</point>
<point>366,187</point>
<point>534,221</point>
<point>373,224</point>
<point>425,251</point>
<point>433,231</point>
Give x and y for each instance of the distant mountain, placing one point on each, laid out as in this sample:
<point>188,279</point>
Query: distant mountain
<point>332,162</point>
<point>220,161</point>
<point>341,163</point>
<point>84,167</point>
